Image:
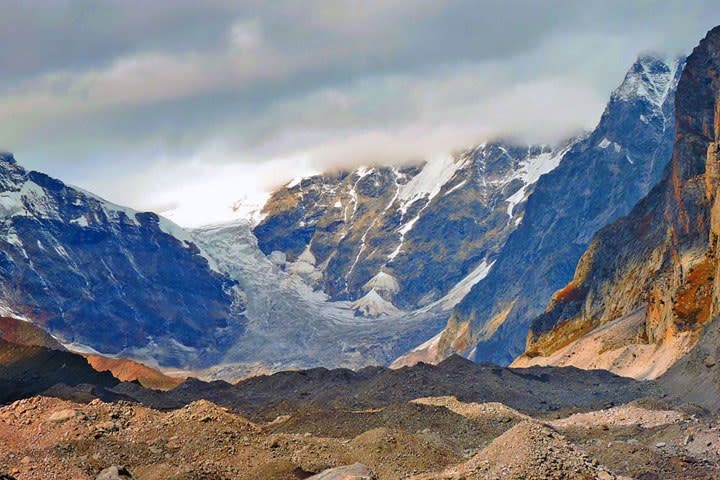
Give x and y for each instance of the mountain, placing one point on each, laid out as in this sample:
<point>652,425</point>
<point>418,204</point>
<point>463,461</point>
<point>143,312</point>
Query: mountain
<point>659,263</point>
<point>119,281</point>
<point>599,179</point>
<point>101,278</point>
<point>403,238</point>
<point>345,269</point>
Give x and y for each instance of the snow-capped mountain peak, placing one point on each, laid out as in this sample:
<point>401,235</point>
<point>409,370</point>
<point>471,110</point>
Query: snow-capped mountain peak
<point>650,78</point>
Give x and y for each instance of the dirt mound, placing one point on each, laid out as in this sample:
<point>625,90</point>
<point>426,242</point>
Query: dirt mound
<point>396,454</point>
<point>31,370</point>
<point>44,437</point>
<point>475,411</point>
<point>439,425</point>
<point>356,471</point>
<point>620,347</point>
<point>527,451</point>
<point>50,438</point>
<point>531,391</point>
<point>625,415</point>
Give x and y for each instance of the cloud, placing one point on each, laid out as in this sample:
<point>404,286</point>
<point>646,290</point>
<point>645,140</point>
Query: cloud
<point>130,89</point>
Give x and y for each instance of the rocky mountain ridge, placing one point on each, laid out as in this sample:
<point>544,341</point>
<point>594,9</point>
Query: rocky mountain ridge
<point>407,235</point>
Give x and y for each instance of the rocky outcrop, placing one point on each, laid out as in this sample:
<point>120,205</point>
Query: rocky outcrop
<point>598,180</point>
<point>409,235</point>
<point>662,257</point>
<point>115,473</point>
<point>529,450</point>
<point>106,277</point>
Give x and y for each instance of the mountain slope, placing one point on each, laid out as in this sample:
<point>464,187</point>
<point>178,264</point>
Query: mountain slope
<point>662,258</point>
<point>410,234</point>
<point>598,180</point>
<point>119,281</point>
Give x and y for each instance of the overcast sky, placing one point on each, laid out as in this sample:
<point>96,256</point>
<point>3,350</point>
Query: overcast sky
<point>184,107</point>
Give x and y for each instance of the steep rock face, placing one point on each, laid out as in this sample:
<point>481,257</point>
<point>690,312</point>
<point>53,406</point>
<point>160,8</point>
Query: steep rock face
<point>107,277</point>
<point>662,257</point>
<point>598,180</point>
<point>407,235</point>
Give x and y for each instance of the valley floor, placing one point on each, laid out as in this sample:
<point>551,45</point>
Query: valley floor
<point>428,438</point>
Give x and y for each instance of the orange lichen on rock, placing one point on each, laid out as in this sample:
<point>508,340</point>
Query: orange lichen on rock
<point>694,298</point>
<point>570,293</point>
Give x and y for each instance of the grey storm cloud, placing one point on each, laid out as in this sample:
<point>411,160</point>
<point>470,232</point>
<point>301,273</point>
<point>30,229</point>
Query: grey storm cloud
<point>91,90</point>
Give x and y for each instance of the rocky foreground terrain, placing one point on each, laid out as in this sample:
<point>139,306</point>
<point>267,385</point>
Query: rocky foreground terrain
<point>455,420</point>
<point>428,438</point>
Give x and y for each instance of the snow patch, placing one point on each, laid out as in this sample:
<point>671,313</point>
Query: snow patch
<point>530,171</point>
<point>462,288</point>
<point>456,187</point>
<point>81,221</point>
<point>650,79</point>
<point>383,282</point>
<point>431,179</point>
<point>435,174</point>
<point>112,210</point>
<point>373,305</point>
<point>307,257</point>
<point>10,204</point>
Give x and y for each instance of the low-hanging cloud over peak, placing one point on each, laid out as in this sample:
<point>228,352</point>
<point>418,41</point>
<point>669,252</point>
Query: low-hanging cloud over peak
<point>130,89</point>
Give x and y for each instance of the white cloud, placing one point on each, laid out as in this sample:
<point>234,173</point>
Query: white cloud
<point>198,105</point>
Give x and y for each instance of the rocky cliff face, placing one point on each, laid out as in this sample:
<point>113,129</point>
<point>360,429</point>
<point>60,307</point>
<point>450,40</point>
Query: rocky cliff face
<point>99,275</point>
<point>404,236</point>
<point>598,180</point>
<point>662,258</point>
